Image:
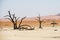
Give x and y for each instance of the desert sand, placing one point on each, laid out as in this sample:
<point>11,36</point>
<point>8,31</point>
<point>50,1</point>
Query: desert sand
<point>47,33</point>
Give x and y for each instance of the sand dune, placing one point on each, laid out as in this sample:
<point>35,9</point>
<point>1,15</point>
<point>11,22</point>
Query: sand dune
<point>32,22</point>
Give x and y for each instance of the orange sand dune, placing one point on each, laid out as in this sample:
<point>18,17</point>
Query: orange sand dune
<point>32,22</point>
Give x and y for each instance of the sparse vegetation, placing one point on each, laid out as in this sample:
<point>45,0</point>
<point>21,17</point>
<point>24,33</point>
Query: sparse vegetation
<point>26,28</point>
<point>53,23</point>
<point>14,20</point>
<point>40,21</point>
<point>21,26</point>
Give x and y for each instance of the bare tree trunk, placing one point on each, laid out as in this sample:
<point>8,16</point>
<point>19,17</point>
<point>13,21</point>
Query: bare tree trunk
<point>13,19</point>
<point>53,25</point>
<point>40,25</point>
<point>15,26</point>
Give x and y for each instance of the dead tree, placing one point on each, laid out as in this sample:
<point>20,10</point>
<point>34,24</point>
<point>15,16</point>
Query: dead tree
<point>40,21</point>
<point>21,22</point>
<point>21,26</point>
<point>13,19</point>
<point>53,23</point>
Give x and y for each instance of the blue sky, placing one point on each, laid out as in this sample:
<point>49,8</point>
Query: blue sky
<point>29,7</point>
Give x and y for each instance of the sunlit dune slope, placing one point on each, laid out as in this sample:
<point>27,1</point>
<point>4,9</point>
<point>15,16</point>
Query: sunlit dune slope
<point>32,22</point>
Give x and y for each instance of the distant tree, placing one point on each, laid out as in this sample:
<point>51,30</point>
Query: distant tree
<point>13,19</point>
<point>40,21</point>
<point>53,23</point>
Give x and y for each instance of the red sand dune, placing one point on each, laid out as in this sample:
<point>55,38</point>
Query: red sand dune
<point>31,21</point>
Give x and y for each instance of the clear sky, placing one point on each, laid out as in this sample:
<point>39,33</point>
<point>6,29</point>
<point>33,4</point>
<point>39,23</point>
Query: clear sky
<point>29,7</point>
